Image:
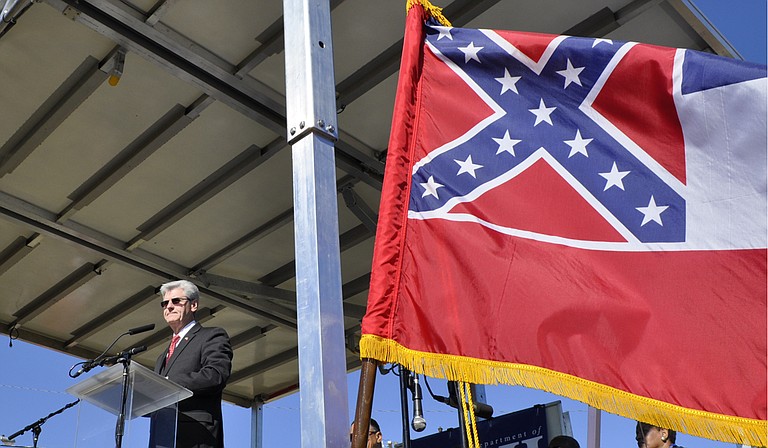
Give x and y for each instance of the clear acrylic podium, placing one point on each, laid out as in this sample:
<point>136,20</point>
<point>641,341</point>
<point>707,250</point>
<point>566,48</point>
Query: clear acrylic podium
<point>147,392</point>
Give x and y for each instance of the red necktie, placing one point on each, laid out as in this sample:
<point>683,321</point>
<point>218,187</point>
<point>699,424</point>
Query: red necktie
<point>172,347</point>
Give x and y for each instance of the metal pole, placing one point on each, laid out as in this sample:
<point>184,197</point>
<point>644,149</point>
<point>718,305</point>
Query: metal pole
<point>364,403</point>
<point>311,124</point>
<point>593,427</point>
<point>257,424</point>
<point>404,380</point>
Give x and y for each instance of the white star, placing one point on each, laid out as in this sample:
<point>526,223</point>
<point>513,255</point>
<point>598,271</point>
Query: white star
<point>614,178</point>
<point>470,52</point>
<point>444,32</point>
<point>597,41</point>
<point>508,82</point>
<point>578,144</point>
<point>430,187</point>
<point>467,166</point>
<point>571,74</point>
<point>542,113</point>
<point>652,212</point>
<point>506,144</point>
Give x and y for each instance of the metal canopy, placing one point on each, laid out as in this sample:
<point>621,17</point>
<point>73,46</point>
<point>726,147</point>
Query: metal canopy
<point>182,169</point>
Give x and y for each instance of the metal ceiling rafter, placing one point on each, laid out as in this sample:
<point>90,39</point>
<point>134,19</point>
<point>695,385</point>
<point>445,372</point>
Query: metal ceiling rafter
<point>206,189</point>
<point>361,210</point>
<point>45,341</point>
<point>112,315</point>
<point>214,76</point>
<point>52,295</point>
<point>17,250</point>
<point>188,61</point>
<point>260,367</point>
<point>159,133</point>
<point>34,217</point>
<point>353,310</point>
<point>255,235</point>
<point>63,101</point>
<point>352,363</point>
<point>251,237</point>
<point>356,286</point>
<point>158,11</point>
<point>250,289</point>
<point>250,335</point>
<point>287,271</point>
<point>272,42</point>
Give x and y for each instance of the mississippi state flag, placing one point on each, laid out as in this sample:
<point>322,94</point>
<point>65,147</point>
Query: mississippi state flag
<point>582,216</point>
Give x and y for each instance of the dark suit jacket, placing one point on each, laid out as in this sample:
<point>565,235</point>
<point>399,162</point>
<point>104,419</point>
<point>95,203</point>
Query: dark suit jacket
<point>201,362</point>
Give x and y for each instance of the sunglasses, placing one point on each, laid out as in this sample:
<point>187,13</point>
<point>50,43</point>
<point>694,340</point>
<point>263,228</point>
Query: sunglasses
<point>175,301</point>
<point>370,433</point>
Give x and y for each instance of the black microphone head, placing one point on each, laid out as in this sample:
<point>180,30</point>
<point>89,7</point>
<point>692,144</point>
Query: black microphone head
<point>141,329</point>
<point>138,349</point>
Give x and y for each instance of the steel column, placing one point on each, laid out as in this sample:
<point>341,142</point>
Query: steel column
<point>311,125</point>
<point>593,427</point>
<point>257,424</point>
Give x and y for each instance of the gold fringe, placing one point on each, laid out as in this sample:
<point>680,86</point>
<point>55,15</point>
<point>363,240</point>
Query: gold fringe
<point>479,371</point>
<point>432,10</point>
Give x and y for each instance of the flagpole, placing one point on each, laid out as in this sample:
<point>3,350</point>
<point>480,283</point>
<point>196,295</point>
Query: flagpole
<point>364,403</point>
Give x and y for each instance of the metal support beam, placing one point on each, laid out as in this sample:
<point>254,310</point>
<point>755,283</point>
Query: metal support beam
<point>112,315</point>
<point>76,279</point>
<point>250,289</point>
<point>77,88</point>
<point>16,210</point>
<point>359,208</point>
<point>17,250</point>
<point>129,158</point>
<point>250,335</point>
<point>593,427</point>
<point>267,364</point>
<point>257,424</point>
<point>348,239</point>
<point>209,187</point>
<point>127,28</point>
<point>311,120</point>
<point>260,232</point>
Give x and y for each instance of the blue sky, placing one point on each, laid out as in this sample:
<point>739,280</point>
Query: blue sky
<point>33,380</point>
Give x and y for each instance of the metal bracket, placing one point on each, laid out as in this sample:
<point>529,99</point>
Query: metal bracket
<point>320,127</point>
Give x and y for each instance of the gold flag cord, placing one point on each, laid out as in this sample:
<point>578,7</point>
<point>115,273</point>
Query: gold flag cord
<point>468,408</point>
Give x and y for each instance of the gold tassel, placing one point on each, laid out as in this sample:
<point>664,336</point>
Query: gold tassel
<point>698,423</point>
<point>432,10</point>
<point>469,422</point>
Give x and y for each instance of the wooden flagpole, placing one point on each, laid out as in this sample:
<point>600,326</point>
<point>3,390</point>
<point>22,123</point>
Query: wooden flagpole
<point>364,403</point>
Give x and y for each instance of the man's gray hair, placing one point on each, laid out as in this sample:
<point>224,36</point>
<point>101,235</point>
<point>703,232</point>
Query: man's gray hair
<point>189,288</point>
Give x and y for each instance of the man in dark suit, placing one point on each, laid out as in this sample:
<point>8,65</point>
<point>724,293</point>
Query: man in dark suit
<point>198,358</point>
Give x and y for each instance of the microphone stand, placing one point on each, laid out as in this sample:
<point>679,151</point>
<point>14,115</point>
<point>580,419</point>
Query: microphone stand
<point>37,427</point>
<point>404,382</point>
<point>125,360</point>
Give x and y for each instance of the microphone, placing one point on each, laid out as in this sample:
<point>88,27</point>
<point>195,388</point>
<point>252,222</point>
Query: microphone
<point>141,329</point>
<point>418,423</point>
<point>112,360</point>
<point>98,361</point>
<point>86,367</point>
